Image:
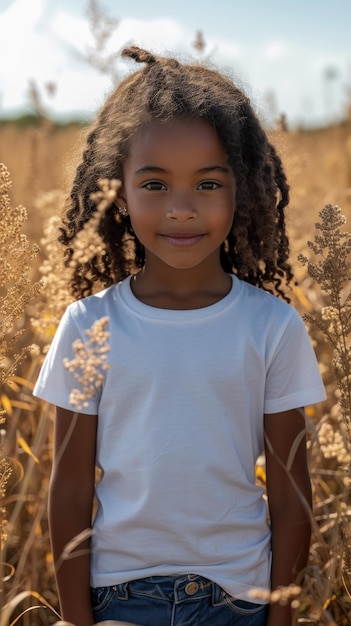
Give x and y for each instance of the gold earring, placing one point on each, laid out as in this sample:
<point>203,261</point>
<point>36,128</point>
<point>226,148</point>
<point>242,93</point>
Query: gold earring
<point>123,210</point>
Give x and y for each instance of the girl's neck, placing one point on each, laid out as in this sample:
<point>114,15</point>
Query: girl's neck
<point>181,289</point>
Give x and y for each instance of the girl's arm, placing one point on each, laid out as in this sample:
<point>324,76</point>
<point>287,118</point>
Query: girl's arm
<point>70,510</point>
<point>290,502</point>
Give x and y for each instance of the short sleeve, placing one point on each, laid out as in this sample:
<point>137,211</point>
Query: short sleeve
<point>55,382</point>
<point>293,376</point>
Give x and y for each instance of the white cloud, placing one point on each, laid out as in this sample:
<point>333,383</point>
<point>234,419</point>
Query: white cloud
<point>158,35</point>
<point>20,45</point>
<point>70,30</point>
<point>275,50</point>
<point>20,17</point>
<point>227,49</point>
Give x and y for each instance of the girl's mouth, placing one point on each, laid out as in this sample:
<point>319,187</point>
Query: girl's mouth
<point>182,239</point>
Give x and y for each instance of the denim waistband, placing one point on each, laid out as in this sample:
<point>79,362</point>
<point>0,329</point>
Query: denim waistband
<point>172,588</point>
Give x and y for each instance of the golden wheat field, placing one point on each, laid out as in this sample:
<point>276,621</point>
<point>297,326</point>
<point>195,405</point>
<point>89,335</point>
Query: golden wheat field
<point>40,160</point>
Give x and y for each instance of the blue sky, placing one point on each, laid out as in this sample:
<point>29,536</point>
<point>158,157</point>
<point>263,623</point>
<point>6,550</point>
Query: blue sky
<point>279,51</point>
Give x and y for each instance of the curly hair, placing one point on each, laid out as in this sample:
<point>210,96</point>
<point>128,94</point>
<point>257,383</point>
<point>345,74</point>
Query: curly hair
<point>257,247</point>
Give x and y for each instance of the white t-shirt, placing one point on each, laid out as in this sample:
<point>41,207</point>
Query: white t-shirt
<point>180,426</point>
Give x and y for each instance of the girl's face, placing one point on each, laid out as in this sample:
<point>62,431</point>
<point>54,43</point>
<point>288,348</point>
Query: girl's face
<point>180,193</point>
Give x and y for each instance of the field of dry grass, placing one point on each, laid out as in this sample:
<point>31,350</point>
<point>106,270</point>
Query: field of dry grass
<point>41,161</point>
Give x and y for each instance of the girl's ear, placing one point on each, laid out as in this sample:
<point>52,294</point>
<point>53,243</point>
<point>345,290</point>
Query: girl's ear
<point>120,200</point>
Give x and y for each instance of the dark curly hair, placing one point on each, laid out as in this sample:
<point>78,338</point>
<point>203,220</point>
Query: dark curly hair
<point>257,247</point>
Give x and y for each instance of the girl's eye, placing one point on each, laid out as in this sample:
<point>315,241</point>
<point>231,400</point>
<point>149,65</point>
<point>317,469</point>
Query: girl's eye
<point>154,185</point>
<point>208,185</point>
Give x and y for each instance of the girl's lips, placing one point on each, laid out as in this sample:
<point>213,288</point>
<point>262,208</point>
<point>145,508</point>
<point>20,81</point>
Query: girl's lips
<point>182,240</point>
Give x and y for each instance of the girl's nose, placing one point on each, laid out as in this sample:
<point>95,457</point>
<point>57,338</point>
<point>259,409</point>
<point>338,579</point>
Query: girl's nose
<point>181,208</point>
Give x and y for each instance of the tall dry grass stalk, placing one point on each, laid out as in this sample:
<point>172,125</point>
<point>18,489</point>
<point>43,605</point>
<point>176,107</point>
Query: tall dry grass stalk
<point>102,29</point>
<point>17,289</point>
<point>329,578</point>
<point>332,272</point>
<point>55,296</point>
<point>89,363</point>
<point>16,286</point>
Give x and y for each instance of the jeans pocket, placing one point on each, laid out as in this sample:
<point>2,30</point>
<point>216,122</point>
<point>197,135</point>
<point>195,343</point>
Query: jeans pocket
<point>101,598</point>
<point>242,607</point>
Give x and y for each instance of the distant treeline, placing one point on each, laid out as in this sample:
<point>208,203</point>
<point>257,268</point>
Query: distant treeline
<point>29,119</point>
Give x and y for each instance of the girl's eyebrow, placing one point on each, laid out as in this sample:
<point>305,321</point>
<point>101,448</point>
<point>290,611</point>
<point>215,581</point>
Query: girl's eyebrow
<point>150,168</point>
<point>214,168</point>
<point>202,170</point>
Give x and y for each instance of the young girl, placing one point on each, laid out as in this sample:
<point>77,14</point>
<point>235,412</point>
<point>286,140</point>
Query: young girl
<point>207,367</point>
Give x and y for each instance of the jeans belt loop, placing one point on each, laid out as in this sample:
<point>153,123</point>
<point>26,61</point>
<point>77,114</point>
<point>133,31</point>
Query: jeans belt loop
<point>122,591</point>
<point>217,595</point>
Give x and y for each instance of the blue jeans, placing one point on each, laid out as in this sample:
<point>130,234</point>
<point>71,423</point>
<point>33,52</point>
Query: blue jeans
<point>188,600</point>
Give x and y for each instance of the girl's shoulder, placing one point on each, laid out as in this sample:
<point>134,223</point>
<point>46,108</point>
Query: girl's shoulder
<point>261,308</point>
<point>98,305</point>
<point>255,296</point>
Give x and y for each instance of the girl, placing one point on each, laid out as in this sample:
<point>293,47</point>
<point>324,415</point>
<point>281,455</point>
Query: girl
<point>206,367</point>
